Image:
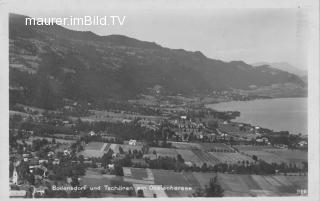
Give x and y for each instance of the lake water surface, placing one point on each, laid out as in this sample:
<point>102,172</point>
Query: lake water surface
<point>282,114</point>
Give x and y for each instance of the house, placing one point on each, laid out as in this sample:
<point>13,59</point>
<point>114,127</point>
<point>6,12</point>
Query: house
<point>91,133</point>
<point>34,161</point>
<point>43,161</point>
<point>126,121</point>
<point>150,156</point>
<point>87,162</point>
<point>132,142</point>
<point>65,122</point>
<point>259,140</point>
<point>41,174</point>
<point>109,138</point>
<point>40,190</point>
<point>56,161</point>
<point>212,137</point>
<point>188,163</point>
<point>303,143</point>
<point>50,153</point>
<point>115,155</point>
<point>99,165</point>
<point>110,166</point>
<point>183,117</point>
<point>69,180</point>
<point>66,152</point>
<point>224,135</point>
<point>25,155</point>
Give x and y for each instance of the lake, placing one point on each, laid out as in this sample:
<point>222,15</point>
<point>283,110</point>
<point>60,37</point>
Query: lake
<point>281,114</point>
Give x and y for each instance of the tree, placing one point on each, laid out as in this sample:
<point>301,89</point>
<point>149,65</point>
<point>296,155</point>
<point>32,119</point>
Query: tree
<point>180,159</point>
<point>254,157</point>
<point>106,159</point>
<point>23,170</point>
<point>232,141</point>
<point>212,124</point>
<point>199,193</point>
<point>75,181</point>
<point>204,167</point>
<point>214,189</point>
<point>140,193</point>
<point>121,150</point>
<point>118,170</point>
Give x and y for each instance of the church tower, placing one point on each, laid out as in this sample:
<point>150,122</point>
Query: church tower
<point>15,176</point>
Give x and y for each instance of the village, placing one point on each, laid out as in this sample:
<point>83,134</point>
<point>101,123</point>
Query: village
<point>162,152</point>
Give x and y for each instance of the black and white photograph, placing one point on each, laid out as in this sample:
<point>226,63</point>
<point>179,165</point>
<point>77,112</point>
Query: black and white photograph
<point>160,99</point>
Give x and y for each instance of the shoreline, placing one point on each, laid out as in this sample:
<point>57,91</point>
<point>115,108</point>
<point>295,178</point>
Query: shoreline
<point>255,124</point>
<point>228,101</point>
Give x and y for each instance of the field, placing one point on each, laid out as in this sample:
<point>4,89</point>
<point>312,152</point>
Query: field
<point>164,151</point>
<point>185,145</point>
<point>195,156</point>
<point>233,184</point>
<point>275,155</point>
<point>145,177</point>
<point>167,178</point>
<point>95,149</point>
<point>215,146</point>
<point>61,148</point>
<point>93,178</point>
<point>95,145</point>
<point>206,157</point>
<point>198,157</point>
<point>292,156</point>
<point>243,148</point>
<point>62,141</point>
<point>256,185</point>
<point>231,158</point>
<point>125,147</point>
<point>116,117</point>
<point>201,146</point>
<point>189,155</point>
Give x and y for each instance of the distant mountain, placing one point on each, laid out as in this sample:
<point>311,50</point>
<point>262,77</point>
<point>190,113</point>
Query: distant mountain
<point>48,63</point>
<point>284,66</point>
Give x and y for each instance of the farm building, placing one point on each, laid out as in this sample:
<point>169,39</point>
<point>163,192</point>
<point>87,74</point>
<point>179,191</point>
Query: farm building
<point>91,133</point>
<point>132,142</point>
<point>303,143</point>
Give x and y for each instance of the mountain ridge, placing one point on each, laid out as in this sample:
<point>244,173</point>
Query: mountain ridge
<point>284,66</point>
<point>62,63</point>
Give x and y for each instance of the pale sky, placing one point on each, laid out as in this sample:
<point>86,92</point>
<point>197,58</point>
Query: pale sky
<point>247,34</point>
